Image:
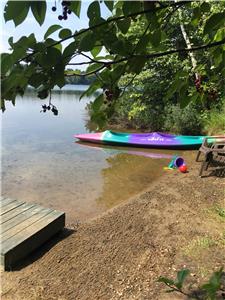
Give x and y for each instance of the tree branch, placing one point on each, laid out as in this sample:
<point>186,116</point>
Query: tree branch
<point>174,4</point>
<point>202,47</point>
<point>155,55</point>
<point>86,74</point>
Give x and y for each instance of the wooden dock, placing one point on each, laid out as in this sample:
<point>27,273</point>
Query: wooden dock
<point>24,228</point>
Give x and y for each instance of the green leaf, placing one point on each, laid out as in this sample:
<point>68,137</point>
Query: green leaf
<point>65,33</point>
<point>39,47</point>
<point>49,42</point>
<point>117,72</point>
<point>6,62</point>
<point>37,79</point>
<point>94,13</point>
<point>124,25</point>
<point>96,50</point>
<point>52,29</point>
<point>142,44</point>
<point>70,50</point>
<point>39,10</point>
<point>136,64</point>
<point>220,34</point>
<point>58,46</point>
<point>99,118</point>
<point>181,275</point>
<point>87,42</point>
<point>10,41</point>
<point>166,280</point>
<point>75,7</point>
<point>109,4</point>
<point>96,105</point>
<point>131,7</point>
<point>16,11</point>
<point>18,53</point>
<point>53,56</point>
<point>94,10</point>
<point>205,7</point>
<point>92,88</point>
<point>149,5</point>
<point>196,16</point>
<point>214,21</point>
<point>59,75</point>
<point>93,67</point>
<point>156,38</point>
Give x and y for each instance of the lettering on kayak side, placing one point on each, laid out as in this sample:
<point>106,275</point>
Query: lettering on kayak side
<point>154,139</point>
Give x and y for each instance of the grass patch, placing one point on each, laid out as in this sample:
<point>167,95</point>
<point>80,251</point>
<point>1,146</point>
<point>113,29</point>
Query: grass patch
<point>215,123</point>
<point>220,211</point>
<point>196,246</point>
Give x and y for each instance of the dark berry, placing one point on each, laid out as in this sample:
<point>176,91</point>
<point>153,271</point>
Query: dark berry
<point>64,3</point>
<point>69,11</point>
<point>53,8</point>
<point>60,18</point>
<point>65,17</point>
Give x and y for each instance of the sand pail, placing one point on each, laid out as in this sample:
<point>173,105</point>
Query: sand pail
<point>178,162</point>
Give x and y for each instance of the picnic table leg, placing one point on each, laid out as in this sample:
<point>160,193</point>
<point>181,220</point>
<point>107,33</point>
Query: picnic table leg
<point>205,163</point>
<point>199,152</point>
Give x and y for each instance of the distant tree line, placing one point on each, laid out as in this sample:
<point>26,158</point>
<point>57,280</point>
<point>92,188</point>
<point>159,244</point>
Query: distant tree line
<point>81,79</point>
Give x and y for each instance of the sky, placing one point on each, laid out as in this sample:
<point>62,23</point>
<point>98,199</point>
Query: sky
<point>30,25</point>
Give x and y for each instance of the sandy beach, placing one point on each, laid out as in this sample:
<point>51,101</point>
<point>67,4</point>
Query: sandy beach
<point>176,223</point>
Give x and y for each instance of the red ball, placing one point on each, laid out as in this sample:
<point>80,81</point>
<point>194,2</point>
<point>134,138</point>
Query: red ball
<point>183,168</point>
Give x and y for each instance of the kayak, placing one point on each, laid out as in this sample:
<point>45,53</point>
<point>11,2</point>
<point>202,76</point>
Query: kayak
<point>147,140</point>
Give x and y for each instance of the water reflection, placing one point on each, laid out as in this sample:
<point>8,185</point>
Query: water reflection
<point>41,162</point>
<point>129,170</point>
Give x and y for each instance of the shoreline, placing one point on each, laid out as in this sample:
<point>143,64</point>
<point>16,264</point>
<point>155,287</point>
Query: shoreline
<point>122,253</point>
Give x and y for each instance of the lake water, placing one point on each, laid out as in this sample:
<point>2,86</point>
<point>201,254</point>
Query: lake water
<point>42,163</point>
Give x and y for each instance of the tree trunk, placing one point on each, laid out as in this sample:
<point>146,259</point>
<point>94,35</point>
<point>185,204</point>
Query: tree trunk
<point>189,45</point>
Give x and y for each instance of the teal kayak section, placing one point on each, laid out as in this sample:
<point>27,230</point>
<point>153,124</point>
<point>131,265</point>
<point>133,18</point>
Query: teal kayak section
<point>115,137</point>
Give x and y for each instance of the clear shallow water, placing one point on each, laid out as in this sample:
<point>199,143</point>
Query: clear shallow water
<point>42,163</point>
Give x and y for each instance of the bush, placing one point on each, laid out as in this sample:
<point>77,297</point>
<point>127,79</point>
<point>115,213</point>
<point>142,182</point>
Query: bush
<point>215,123</point>
<point>183,121</point>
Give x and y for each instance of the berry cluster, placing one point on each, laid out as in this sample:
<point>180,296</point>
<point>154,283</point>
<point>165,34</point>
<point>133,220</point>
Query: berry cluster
<point>198,82</point>
<point>213,94</point>
<point>109,97</point>
<point>50,107</point>
<point>65,10</point>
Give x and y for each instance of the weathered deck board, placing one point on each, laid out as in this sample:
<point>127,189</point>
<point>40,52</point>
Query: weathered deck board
<point>10,206</point>
<point>18,219</point>
<point>6,201</point>
<point>15,212</point>
<point>24,227</point>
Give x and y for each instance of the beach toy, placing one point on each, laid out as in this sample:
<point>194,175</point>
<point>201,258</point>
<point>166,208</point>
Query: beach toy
<point>183,168</point>
<point>176,162</point>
